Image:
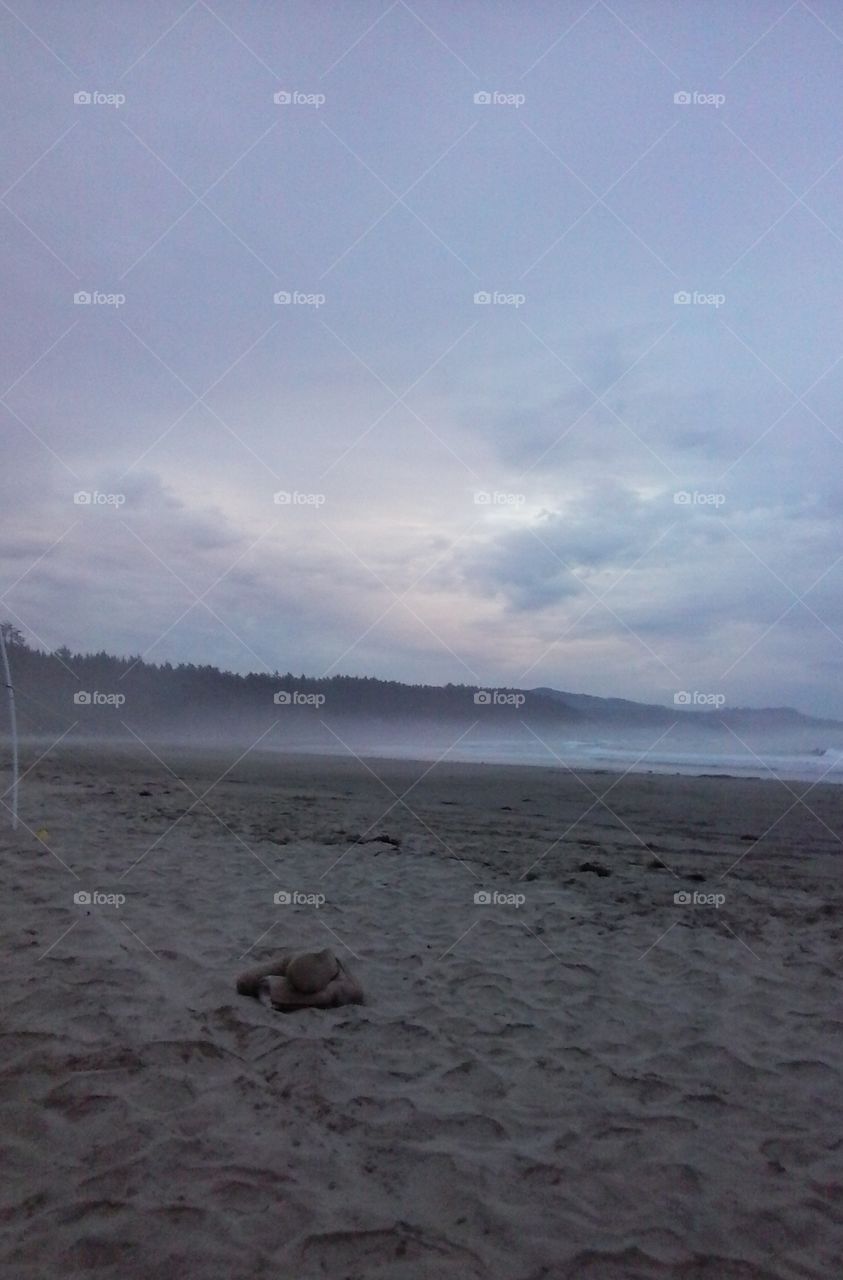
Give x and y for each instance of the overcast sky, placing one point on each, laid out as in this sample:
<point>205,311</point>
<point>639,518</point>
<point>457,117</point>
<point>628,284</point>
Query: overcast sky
<point>662,478</point>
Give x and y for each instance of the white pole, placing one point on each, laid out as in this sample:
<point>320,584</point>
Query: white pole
<point>14,724</point>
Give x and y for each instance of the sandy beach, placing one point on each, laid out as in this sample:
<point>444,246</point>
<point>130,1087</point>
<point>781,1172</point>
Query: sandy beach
<point>574,1075</point>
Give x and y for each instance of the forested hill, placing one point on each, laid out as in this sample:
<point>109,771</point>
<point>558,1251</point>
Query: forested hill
<point>103,693</point>
<point>99,693</point>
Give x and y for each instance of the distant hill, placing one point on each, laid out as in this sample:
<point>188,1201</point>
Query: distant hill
<point>622,710</point>
<point>100,693</point>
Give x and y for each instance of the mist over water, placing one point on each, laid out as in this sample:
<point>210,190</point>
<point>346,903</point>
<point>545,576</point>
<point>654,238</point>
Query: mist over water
<point>100,698</point>
<point>769,756</point>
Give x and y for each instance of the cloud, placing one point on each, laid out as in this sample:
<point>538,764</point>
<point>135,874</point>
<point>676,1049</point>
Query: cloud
<point>539,560</point>
<point>594,401</point>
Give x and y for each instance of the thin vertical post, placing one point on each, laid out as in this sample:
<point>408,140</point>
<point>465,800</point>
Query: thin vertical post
<point>14,724</point>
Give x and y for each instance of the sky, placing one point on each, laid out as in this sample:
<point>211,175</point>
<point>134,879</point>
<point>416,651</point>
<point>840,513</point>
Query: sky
<point>496,343</point>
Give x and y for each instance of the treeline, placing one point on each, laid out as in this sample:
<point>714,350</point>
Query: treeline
<point>104,693</point>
